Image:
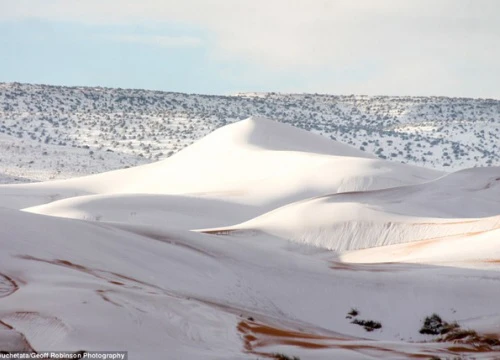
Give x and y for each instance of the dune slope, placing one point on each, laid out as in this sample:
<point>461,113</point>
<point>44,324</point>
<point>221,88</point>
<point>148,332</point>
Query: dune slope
<point>456,204</point>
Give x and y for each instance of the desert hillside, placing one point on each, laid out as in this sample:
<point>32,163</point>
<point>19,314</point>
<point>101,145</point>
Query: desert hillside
<point>259,241</point>
<point>55,132</point>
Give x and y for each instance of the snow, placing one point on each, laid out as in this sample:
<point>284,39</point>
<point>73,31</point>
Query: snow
<point>476,248</point>
<point>57,132</point>
<point>223,251</point>
<point>461,203</point>
<point>238,164</point>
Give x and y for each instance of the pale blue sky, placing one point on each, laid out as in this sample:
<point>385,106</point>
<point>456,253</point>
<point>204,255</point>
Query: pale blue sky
<point>391,47</point>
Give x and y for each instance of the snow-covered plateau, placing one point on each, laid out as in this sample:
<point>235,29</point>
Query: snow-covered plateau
<point>56,132</point>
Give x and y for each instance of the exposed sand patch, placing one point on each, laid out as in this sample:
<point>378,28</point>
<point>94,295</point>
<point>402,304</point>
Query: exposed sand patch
<point>102,294</point>
<point>257,336</point>
<point>169,240</point>
<point>17,322</point>
<point>109,276</point>
<point>373,267</point>
<point>7,285</point>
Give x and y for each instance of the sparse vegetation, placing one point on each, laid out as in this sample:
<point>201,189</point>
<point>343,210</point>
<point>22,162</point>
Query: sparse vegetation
<point>354,312</point>
<point>369,325</point>
<point>434,325</point>
<point>279,356</point>
<point>133,127</point>
<point>452,332</point>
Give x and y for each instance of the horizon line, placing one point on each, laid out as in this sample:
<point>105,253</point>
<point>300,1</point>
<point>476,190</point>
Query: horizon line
<point>241,93</point>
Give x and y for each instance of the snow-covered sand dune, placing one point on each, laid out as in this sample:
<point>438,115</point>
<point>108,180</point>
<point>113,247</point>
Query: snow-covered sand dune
<point>482,247</point>
<point>117,265</point>
<point>256,162</point>
<point>460,203</point>
<point>176,211</point>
